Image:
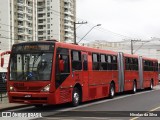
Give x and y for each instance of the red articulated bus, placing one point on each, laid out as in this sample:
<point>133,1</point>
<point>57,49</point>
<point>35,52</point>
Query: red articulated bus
<point>50,72</point>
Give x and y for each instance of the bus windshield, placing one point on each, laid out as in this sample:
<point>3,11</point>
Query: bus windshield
<point>31,65</point>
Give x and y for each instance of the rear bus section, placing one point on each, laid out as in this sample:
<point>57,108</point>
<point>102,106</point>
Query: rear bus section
<point>150,72</point>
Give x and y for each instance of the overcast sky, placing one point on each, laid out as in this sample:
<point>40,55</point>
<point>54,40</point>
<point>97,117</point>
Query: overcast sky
<point>139,19</point>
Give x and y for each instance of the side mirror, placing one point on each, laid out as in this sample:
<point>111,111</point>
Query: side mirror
<point>2,62</point>
<point>61,65</point>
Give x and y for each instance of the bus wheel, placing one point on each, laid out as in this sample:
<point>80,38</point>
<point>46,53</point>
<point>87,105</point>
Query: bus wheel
<point>75,97</point>
<point>151,85</point>
<point>111,91</point>
<point>134,90</point>
<point>38,105</point>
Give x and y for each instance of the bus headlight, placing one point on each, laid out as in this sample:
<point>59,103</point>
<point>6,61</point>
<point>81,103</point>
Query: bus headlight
<point>46,88</point>
<point>11,88</point>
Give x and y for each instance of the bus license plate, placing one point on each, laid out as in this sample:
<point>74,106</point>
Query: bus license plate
<point>27,96</point>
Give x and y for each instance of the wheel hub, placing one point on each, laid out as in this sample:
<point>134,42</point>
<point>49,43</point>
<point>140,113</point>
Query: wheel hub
<point>76,97</point>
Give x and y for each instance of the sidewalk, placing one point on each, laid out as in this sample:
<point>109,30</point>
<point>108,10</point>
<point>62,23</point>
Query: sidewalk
<point>5,105</point>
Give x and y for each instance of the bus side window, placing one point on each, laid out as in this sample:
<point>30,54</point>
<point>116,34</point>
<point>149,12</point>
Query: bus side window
<point>103,63</point>
<point>114,62</point>
<point>76,60</point>
<point>63,54</point>
<point>85,62</point>
<point>109,60</point>
<point>95,61</point>
<point>65,59</point>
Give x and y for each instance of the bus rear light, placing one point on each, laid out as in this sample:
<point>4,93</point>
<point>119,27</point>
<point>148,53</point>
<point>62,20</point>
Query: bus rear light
<point>11,88</point>
<point>46,88</point>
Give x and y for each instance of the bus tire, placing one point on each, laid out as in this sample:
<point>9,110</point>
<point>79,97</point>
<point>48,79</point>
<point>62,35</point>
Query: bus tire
<point>112,90</point>
<point>134,90</point>
<point>151,85</point>
<point>75,97</point>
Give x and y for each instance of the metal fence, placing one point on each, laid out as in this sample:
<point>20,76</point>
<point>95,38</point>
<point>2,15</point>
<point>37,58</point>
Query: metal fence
<point>3,84</point>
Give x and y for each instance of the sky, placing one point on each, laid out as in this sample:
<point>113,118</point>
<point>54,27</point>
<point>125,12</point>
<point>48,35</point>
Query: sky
<point>119,19</point>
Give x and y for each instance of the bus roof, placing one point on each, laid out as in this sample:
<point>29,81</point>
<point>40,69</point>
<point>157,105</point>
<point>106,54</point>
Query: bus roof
<point>83,48</point>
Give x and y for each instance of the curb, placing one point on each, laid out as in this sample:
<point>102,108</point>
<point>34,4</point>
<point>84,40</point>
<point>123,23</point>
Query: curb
<point>14,107</point>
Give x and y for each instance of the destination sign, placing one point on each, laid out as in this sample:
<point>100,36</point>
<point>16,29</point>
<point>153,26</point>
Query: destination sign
<point>33,47</point>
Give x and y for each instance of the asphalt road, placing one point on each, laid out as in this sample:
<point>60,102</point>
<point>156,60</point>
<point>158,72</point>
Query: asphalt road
<point>122,107</point>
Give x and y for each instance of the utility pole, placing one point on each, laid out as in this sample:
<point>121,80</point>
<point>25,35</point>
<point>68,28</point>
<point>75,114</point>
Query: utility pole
<point>133,41</point>
<point>75,29</point>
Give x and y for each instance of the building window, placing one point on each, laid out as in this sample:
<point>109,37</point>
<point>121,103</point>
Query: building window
<point>40,32</point>
<point>40,21</point>
<point>20,37</point>
<point>48,26</point>
<point>48,20</point>
<point>48,32</point>
<point>48,14</point>
<point>20,15</point>
<point>40,15</point>
<point>20,30</point>
<point>30,11</point>
<point>48,2</point>
<point>48,8</point>
<point>20,8</point>
<point>40,26</point>
<point>20,1</point>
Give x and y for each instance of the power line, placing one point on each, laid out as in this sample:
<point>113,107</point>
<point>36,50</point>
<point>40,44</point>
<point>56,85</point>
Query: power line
<point>106,31</point>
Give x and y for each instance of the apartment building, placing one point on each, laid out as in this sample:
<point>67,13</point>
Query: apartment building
<point>23,20</point>
<point>56,19</point>
<point>32,20</point>
<point>5,25</point>
<point>17,22</point>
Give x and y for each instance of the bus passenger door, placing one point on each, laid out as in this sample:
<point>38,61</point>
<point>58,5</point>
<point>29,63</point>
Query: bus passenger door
<point>85,76</point>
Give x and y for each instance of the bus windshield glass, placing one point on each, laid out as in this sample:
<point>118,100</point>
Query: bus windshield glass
<point>31,62</point>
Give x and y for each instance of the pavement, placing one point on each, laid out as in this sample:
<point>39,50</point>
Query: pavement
<point>5,105</point>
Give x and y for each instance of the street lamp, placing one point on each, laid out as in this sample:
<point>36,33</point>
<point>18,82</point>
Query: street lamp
<point>89,32</point>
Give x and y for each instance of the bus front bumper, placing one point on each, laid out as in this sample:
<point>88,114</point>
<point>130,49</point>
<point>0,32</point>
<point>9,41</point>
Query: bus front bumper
<point>31,98</point>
